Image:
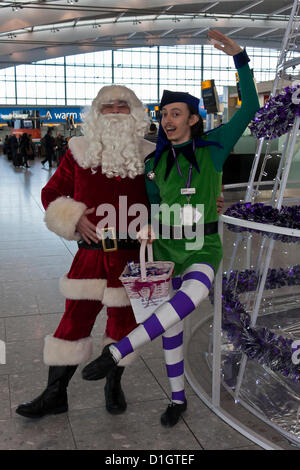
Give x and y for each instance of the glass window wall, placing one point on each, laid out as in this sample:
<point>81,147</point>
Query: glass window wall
<point>75,80</point>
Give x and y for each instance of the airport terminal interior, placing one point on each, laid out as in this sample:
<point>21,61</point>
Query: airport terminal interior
<point>242,382</point>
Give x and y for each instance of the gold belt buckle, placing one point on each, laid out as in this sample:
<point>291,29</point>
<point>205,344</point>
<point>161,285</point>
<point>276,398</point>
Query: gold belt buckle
<point>109,233</point>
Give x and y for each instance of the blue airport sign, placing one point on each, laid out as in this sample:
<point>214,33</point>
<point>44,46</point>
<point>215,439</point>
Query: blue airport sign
<point>51,115</point>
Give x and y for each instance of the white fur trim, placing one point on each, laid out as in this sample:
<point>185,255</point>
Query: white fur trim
<point>62,215</point>
<point>61,352</point>
<point>82,289</point>
<point>127,360</point>
<point>79,145</point>
<point>115,297</point>
<point>116,92</point>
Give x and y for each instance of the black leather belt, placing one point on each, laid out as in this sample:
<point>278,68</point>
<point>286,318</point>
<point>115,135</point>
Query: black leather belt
<point>209,229</point>
<point>110,245</point>
<point>110,242</point>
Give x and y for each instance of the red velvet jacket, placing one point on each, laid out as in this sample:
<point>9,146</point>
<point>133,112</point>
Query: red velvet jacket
<point>93,275</point>
<point>73,189</point>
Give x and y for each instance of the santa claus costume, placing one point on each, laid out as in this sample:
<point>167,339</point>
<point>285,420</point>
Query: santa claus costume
<point>105,166</point>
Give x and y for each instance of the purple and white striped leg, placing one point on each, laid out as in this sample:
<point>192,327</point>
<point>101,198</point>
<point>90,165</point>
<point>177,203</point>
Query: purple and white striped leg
<point>196,282</point>
<point>173,350</point>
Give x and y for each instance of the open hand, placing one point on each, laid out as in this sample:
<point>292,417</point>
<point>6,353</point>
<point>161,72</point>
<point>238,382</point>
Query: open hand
<point>228,45</point>
<point>86,229</point>
<point>220,204</point>
<point>146,233</point>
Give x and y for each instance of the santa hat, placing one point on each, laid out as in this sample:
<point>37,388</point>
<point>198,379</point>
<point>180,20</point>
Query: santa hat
<point>111,93</point>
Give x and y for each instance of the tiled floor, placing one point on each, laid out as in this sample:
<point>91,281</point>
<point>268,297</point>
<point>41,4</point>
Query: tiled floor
<point>31,261</point>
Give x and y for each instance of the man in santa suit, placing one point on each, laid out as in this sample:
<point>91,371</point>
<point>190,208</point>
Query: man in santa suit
<point>104,165</point>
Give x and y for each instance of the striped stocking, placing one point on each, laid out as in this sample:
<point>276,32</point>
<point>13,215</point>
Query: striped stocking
<point>196,282</point>
<point>173,351</point>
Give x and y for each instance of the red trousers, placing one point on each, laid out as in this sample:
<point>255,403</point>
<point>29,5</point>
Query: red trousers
<point>80,316</point>
<point>90,267</point>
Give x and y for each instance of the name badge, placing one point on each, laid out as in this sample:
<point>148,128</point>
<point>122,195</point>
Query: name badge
<point>188,191</point>
<point>189,215</point>
<point>186,215</point>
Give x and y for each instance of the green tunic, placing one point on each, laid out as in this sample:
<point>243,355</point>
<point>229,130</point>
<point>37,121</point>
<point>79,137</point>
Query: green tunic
<point>207,182</point>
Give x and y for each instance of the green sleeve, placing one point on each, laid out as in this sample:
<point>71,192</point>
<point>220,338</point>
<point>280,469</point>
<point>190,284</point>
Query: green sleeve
<point>228,134</point>
<point>151,187</point>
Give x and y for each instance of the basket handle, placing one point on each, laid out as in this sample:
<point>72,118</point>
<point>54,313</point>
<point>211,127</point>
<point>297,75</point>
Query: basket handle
<point>142,257</point>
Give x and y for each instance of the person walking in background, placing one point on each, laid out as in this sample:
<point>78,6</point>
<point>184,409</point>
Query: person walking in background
<point>61,147</point>
<point>24,149</point>
<point>152,134</point>
<point>14,147</point>
<point>31,148</point>
<point>49,143</point>
<point>6,147</point>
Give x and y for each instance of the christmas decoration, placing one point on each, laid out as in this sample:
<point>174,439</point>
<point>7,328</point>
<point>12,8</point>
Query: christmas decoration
<point>287,216</point>
<point>277,116</point>
<point>269,349</point>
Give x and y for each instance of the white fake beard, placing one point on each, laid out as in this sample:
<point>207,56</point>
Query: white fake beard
<point>120,154</point>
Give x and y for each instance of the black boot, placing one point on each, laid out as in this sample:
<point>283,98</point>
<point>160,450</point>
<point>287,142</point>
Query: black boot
<point>100,367</point>
<point>172,414</point>
<point>114,395</point>
<point>54,399</point>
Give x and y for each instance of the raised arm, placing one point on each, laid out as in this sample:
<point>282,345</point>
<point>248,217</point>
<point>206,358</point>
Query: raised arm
<point>229,133</point>
<point>223,43</point>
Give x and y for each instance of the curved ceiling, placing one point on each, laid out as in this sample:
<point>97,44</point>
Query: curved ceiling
<point>37,30</point>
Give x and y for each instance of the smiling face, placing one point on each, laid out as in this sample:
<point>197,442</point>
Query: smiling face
<point>176,121</point>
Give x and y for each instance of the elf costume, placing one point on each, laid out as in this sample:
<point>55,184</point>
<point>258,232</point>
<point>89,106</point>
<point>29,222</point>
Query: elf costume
<point>196,164</point>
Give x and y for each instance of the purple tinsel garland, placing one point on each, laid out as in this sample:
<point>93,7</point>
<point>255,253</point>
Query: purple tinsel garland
<point>247,281</point>
<point>277,116</point>
<point>287,216</point>
<point>261,344</point>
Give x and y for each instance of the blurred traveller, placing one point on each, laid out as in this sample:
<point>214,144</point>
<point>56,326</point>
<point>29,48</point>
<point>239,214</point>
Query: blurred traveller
<point>49,143</point>
<point>24,148</point>
<point>152,134</point>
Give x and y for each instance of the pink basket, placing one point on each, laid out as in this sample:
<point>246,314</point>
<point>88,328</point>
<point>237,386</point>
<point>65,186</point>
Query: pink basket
<point>151,286</point>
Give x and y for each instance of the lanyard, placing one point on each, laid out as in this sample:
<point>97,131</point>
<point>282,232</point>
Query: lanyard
<point>188,181</point>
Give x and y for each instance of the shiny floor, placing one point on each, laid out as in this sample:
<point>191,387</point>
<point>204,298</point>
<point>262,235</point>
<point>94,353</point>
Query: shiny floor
<point>32,259</point>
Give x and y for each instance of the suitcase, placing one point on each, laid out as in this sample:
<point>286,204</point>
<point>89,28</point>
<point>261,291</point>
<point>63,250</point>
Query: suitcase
<point>18,160</point>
